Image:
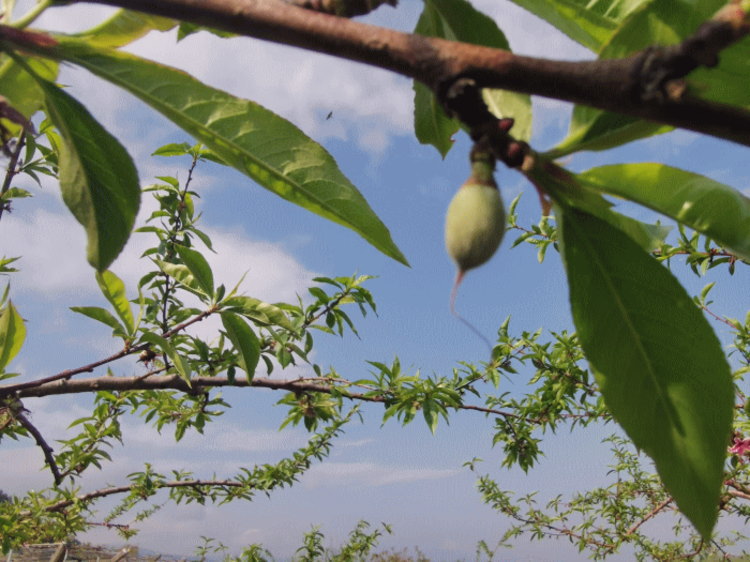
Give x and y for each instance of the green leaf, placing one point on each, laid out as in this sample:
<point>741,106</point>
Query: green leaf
<point>245,342</point>
<point>458,20</point>
<point>660,367</point>
<point>20,89</point>
<point>172,149</point>
<point>503,103</point>
<point>594,129</point>
<point>15,193</point>
<point>12,334</point>
<point>645,23</point>
<point>259,311</point>
<point>183,275</point>
<point>653,22</point>
<point>566,188</point>
<point>431,124</point>
<point>588,23</point>
<point>104,316</point>
<point>98,179</point>
<point>199,267</point>
<point>178,361</point>
<point>113,290</point>
<point>4,263</point>
<point>725,83</point>
<point>124,27</point>
<point>245,135</point>
<point>705,205</point>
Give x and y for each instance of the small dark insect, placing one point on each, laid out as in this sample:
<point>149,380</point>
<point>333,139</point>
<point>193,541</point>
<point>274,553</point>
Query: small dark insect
<point>330,114</point>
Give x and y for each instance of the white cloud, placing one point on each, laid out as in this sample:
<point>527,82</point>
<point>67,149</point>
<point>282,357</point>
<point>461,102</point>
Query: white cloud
<point>52,246</point>
<point>221,449</point>
<point>368,474</point>
<point>219,437</point>
<point>368,104</point>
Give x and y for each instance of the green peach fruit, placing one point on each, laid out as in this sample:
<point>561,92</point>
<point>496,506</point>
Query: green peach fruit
<point>474,224</point>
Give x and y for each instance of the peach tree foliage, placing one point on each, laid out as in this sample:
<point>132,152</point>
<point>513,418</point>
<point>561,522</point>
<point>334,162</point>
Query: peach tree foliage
<point>643,353</point>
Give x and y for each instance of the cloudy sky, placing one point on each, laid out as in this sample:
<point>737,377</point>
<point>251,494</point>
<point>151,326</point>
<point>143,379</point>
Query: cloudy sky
<point>403,476</point>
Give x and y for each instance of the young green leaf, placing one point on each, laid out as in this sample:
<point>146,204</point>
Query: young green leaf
<point>660,367</point>
<point>98,179</point>
<point>113,290</point>
<point>104,316</point>
<point>20,89</point>
<point>178,361</point>
<point>594,129</point>
<point>183,275</point>
<point>245,135</point>
<point>245,342</point>
<point>705,205</point>
<point>124,27</point>
<point>258,311</point>
<point>587,24</point>
<point>199,267</point>
<point>12,334</point>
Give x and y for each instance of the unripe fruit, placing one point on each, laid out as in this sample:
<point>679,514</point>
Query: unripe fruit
<point>474,225</point>
<point>475,221</point>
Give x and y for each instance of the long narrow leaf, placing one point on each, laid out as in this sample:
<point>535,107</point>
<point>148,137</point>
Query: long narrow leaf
<point>124,27</point>
<point>104,316</point>
<point>199,267</point>
<point>20,89</point>
<point>178,361</point>
<point>98,179</point>
<point>113,290</point>
<point>258,311</point>
<point>12,334</point>
<point>245,135</point>
<point>660,367</point>
<point>710,207</point>
<point>576,18</point>
<point>245,342</point>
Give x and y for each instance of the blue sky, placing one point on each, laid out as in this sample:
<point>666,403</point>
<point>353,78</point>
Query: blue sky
<point>404,476</point>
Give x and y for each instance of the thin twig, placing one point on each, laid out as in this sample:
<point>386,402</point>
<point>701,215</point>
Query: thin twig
<point>6,390</point>
<point>49,456</point>
<point>104,492</point>
<point>650,515</point>
<point>11,170</point>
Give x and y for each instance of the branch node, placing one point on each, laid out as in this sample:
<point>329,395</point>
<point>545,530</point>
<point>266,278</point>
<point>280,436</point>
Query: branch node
<point>342,8</point>
<point>660,67</point>
<point>462,99</point>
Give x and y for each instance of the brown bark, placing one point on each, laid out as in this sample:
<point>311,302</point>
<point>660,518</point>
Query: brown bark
<point>617,85</point>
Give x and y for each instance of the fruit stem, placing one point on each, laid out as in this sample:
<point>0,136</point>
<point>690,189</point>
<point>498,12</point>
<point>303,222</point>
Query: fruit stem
<point>482,166</point>
<point>454,291</point>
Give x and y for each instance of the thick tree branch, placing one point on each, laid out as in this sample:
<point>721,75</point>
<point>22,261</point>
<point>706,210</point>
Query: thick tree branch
<point>343,8</point>
<point>614,85</point>
<point>197,384</point>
